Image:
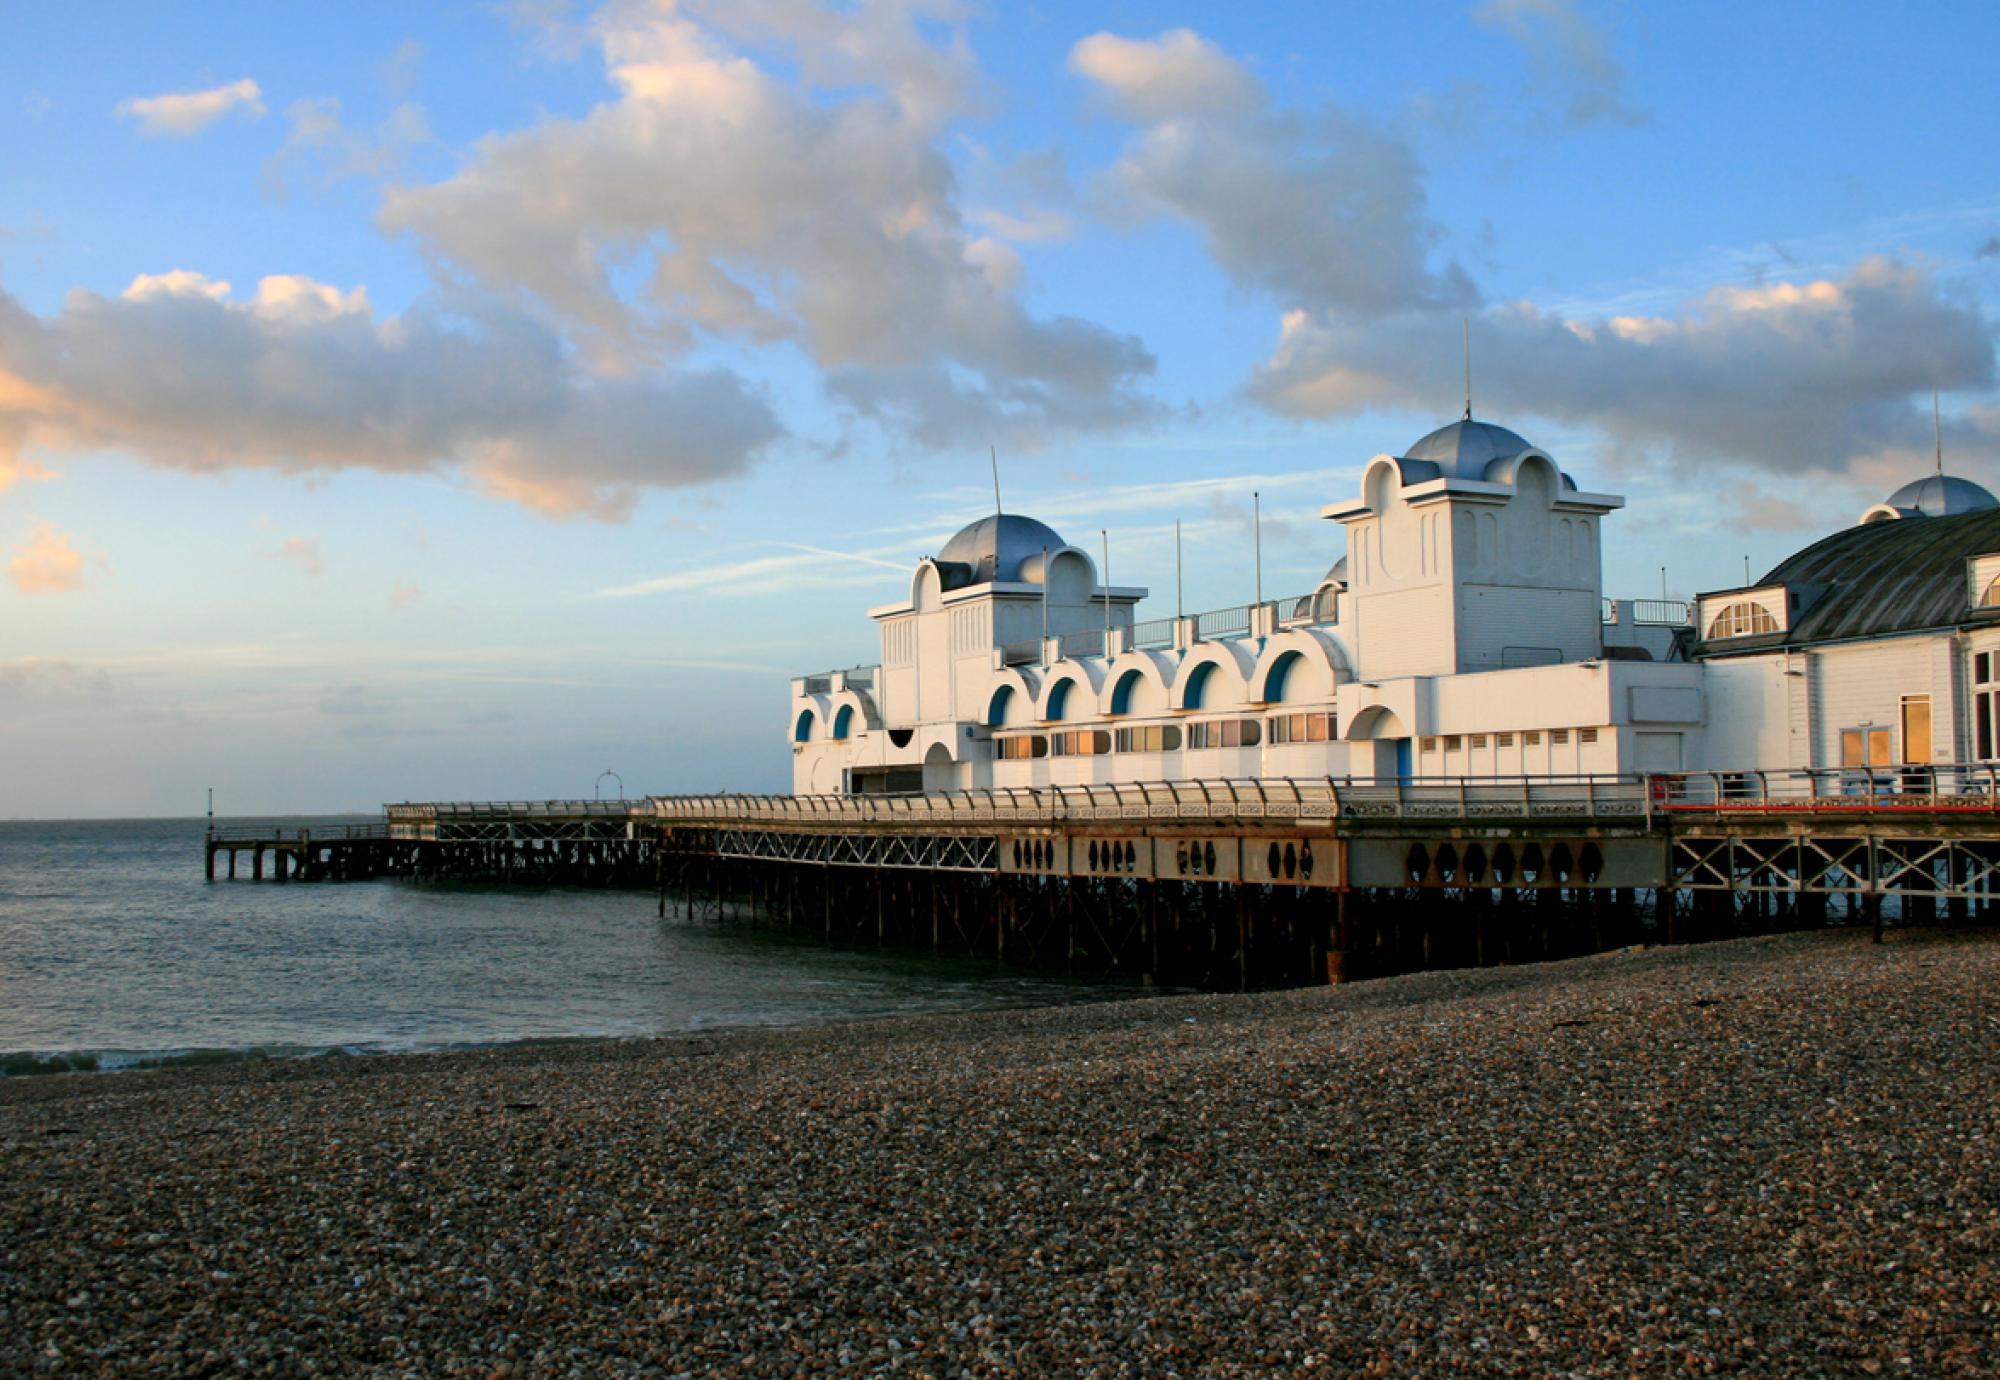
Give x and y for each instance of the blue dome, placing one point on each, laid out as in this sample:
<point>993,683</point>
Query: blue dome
<point>1465,448</point>
<point>1942,495</point>
<point>993,548</point>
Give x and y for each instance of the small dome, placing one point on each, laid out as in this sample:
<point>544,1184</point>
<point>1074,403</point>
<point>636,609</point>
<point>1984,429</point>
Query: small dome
<point>1941,495</point>
<point>1337,575</point>
<point>1465,448</point>
<point>993,548</point>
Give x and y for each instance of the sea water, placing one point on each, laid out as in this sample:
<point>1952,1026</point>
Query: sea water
<point>116,953</point>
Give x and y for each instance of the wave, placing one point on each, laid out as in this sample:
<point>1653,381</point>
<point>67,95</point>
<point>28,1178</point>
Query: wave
<point>32,1063</point>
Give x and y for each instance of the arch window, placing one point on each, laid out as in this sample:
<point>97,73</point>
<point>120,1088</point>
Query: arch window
<point>996,708</point>
<point>843,723</point>
<point>802,729</point>
<point>1121,693</point>
<point>1281,670</point>
<point>1059,699</point>
<point>1742,619</point>
<point>1197,686</point>
<point>1991,598</point>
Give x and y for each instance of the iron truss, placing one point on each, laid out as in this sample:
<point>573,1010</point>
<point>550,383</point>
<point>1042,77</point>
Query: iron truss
<point>1860,864</point>
<point>932,852</point>
<point>511,831</point>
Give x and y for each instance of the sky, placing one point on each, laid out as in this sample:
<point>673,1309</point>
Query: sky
<point>461,401</point>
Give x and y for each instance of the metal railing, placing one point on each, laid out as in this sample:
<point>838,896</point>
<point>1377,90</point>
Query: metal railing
<point>1326,798</point>
<point>514,809</point>
<point>1089,642</point>
<point>1652,613</point>
<point>1223,623</point>
<point>258,833</point>
<point>1930,789</point>
<point>1296,608</point>
<point>1154,632</point>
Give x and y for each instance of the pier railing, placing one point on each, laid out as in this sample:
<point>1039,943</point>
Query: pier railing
<point>1929,789</point>
<point>1327,798</point>
<point>267,833</point>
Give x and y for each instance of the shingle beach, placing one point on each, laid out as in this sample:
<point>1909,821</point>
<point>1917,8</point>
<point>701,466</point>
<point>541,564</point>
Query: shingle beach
<point>1770,1156</point>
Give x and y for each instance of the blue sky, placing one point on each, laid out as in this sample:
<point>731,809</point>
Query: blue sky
<point>460,400</point>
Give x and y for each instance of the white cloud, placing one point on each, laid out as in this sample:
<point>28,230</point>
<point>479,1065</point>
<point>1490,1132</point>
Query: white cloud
<point>183,113</point>
<point>47,563</point>
<point>305,377</point>
<point>1569,58</point>
<point>764,211</point>
<point>1178,73</point>
<point>305,553</point>
<point>1326,211</point>
<point>1816,375</point>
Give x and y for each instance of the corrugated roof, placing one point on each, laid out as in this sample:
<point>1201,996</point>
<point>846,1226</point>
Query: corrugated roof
<point>1877,580</point>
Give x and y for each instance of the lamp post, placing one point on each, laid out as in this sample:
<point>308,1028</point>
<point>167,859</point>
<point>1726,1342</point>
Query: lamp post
<point>615,777</point>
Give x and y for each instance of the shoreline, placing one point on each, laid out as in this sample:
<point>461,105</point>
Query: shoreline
<point>1769,1153</point>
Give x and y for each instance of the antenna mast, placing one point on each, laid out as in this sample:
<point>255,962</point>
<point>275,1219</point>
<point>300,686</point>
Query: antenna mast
<point>1466,322</point>
<point>994,452</point>
<point>1105,537</point>
<point>1179,611</point>
<point>1257,536</point>
<point>1937,429</point>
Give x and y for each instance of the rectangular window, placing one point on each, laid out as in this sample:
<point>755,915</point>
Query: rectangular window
<point>1864,747</point>
<point>1586,735</point>
<point>1558,735</point>
<point>1917,730</point>
<point>1532,738</point>
<point>1982,667</point>
<point>1430,745</point>
<point>1503,740</point>
<point>1232,733</point>
<point>1320,728</point>
<point>1479,740</point>
<point>1982,723</point>
<point>1452,742</point>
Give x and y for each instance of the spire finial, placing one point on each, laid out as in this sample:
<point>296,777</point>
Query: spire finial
<point>1937,430</point>
<point>1467,323</point>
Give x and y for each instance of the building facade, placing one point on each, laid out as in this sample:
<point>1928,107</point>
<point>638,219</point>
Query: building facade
<point>1464,635</point>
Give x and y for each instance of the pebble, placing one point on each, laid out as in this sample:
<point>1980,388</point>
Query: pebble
<point>1770,1155</point>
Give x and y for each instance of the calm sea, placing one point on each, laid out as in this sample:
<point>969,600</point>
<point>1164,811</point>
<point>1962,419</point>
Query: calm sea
<point>115,953</point>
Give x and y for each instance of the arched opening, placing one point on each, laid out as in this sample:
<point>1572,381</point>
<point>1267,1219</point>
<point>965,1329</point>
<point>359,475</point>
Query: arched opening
<point>1275,678</point>
<point>843,722</point>
<point>1742,619</point>
<point>996,708</point>
<point>1992,596</point>
<point>1121,693</point>
<point>939,769</point>
<point>1197,686</point>
<point>802,730</point>
<point>1059,699</point>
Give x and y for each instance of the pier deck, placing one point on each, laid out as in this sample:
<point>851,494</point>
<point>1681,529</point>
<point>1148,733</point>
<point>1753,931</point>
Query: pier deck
<point>1214,881</point>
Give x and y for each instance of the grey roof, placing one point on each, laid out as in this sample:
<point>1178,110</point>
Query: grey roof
<point>1942,495</point>
<point>993,549</point>
<point>1878,579</point>
<point>1466,448</point>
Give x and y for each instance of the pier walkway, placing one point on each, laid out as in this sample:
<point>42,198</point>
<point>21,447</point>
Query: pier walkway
<point>1253,880</point>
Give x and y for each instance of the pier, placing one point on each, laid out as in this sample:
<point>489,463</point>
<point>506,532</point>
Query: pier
<point>1233,883</point>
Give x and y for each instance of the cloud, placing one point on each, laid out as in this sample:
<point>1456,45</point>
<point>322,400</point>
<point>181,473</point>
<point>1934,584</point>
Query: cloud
<point>711,201</point>
<point>1569,58</point>
<point>305,377</point>
<point>321,144</point>
<point>305,552</point>
<point>46,563</point>
<point>180,114</point>
<point>1988,249</point>
<point>1178,73</point>
<point>1325,211</point>
<point>404,594</point>
<point>804,567</point>
<point>1790,377</point>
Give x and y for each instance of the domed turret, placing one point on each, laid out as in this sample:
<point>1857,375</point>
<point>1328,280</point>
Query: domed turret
<point>1937,495</point>
<point>1466,448</point>
<point>994,548</point>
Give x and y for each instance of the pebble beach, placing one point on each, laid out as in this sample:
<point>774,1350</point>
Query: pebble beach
<point>1769,1156</point>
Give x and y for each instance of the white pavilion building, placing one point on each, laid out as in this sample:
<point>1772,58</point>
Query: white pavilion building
<point>1464,635</point>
